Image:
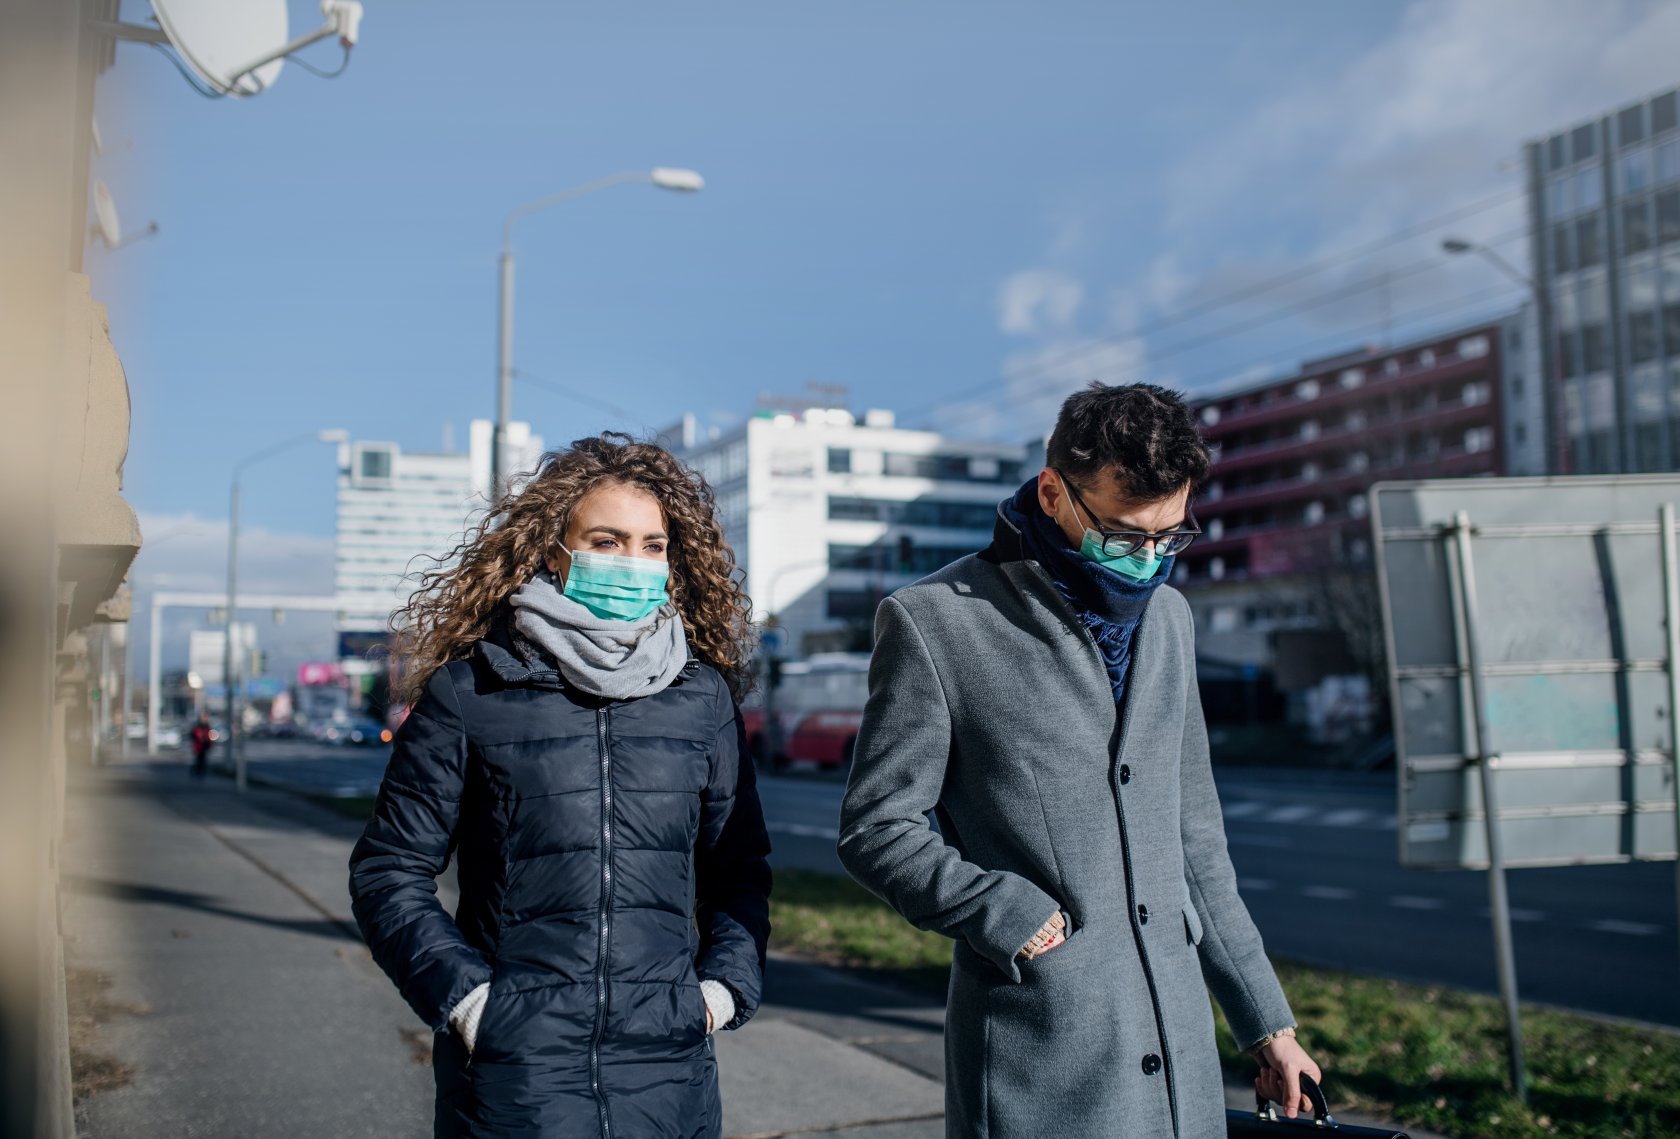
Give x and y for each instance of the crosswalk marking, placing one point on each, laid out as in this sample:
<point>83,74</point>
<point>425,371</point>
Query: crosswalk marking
<point>1633,928</point>
<point>1293,813</point>
<point>1346,817</point>
<point>1328,893</point>
<point>1412,902</point>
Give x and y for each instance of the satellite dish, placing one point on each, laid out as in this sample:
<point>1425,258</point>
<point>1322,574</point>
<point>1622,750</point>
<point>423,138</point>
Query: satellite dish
<point>105,225</point>
<point>105,213</point>
<point>221,39</point>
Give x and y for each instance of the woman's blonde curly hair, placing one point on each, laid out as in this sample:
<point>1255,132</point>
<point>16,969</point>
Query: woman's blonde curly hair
<point>451,608</point>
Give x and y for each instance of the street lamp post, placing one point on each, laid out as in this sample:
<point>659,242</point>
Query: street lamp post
<point>229,677</point>
<point>664,177</point>
<point>1557,437</point>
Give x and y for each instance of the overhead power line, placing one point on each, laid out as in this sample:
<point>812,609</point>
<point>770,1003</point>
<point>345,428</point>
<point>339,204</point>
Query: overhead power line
<point>1378,281</point>
<point>1236,296</point>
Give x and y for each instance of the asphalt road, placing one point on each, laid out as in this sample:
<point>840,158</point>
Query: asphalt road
<point>1316,861</point>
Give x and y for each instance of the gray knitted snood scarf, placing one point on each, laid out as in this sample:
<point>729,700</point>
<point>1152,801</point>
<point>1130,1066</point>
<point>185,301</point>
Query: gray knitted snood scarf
<point>617,660</point>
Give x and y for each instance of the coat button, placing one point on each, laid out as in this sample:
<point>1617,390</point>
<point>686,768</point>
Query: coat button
<point>1125,773</point>
<point>1143,915</point>
<point>1151,1064</point>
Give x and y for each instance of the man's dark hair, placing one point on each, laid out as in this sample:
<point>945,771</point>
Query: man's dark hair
<point>1144,432</point>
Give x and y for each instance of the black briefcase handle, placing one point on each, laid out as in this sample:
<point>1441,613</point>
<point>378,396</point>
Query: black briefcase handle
<point>1264,1121</point>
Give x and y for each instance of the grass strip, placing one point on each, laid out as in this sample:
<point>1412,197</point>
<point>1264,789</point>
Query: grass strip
<point>1421,1055</point>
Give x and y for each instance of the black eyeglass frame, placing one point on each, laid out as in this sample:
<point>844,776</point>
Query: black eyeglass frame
<point>1122,543</point>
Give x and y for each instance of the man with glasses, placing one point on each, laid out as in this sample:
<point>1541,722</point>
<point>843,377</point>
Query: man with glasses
<point>1039,700</point>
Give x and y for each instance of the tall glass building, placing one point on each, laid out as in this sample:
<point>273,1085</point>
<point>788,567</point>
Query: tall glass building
<point>1604,211</point>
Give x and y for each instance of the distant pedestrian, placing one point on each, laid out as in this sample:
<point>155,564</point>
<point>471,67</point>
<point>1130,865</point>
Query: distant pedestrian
<point>1040,698</point>
<point>574,669</point>
<point>202,737</point>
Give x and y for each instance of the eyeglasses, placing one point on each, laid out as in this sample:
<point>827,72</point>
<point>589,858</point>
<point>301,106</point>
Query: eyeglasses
<point>1120,543</point>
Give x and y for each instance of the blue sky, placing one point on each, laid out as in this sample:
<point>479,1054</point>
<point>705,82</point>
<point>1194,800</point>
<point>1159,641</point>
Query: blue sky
<point>938,205</point>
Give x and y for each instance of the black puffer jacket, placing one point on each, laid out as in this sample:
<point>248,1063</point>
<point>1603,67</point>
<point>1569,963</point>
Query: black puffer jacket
<point>612,855</point>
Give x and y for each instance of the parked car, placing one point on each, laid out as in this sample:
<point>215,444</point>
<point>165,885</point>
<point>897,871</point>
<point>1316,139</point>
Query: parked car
<point>363,733</point>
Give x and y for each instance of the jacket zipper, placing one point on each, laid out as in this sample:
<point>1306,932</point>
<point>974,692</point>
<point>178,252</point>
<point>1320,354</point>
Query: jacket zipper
<point>1126,856</point>
<point>605,916</point>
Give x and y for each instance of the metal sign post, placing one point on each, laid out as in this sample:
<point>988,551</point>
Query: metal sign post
<point>1671,622</point>
<point>1487,761</point>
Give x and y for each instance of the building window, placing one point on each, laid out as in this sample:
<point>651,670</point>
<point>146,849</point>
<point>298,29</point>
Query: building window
<point>1671,328</point>
<point>1215,529</point>
<point>1557,152</point>
<point>1426,358</point>
<point>1668,216</point>
<point>374,464</point>
<point>1636,228</point>
<point>1642,336</point>
<point>1222,619</point>
<point>1563,255</point>
<point>1668,161</point>
<point>1391,366</point>
<point>1356,506</point>
<point>1216,568</point>
<point>1634,170</point>
<point>1630,125</point>
<point>1352,377</point>
<point>1309,429</point>
<point>1313,514</point>
<point>1520,433</point>
<point>1589,246</point>
<point>1210,416</point>
<point>1594,358</point>
<point>1478,439</point>
<point>1306,389</point>
<point>839,461</point>
<point>1473,347</point>
<point>1516,387</point>
<point>1585,140</point>
<point>1589,190</point>
<point>1664,112</point>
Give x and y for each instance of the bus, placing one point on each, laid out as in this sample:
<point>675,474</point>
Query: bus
<point>819,705</point>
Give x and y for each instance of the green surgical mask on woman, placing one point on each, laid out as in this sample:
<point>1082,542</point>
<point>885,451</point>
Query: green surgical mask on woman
<point>617,588</point>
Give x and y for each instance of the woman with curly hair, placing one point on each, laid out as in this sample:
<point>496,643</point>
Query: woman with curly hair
<point>574,667</point>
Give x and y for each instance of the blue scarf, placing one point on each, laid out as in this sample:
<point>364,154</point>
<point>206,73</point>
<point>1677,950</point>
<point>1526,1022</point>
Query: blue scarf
<point>1108,605</point>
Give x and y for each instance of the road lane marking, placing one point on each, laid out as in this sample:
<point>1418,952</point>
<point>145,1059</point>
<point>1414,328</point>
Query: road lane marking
<point>1328,893</point>
<point>1517,914</point>
<point>1346,817</point>
<point>1413,902</point>
<point>1290,814</point>
<point>801,830</point>
<point>1255,883</point>
<point>1275,841</point>
<point>1632,928</point>
<point>1244,809</point>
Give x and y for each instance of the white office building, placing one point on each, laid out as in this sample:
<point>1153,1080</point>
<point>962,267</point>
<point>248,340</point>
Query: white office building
<point>398,509</point>
<point>828,514</point>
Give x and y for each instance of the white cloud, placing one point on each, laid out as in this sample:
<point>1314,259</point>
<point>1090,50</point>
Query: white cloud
<point>1036,302</point>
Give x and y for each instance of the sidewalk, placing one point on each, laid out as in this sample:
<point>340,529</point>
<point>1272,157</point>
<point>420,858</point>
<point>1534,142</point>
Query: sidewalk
<point>246,1005</point>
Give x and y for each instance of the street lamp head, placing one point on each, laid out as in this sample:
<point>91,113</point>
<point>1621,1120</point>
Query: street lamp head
<point>674,178</point>
<point>1456,245</point>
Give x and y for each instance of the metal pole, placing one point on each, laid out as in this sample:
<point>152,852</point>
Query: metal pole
<point>127,687</point>
<point>227,640</point>
<point>1487,762</point>
<point>504,382</point>
<point>1671,622</point>
<point>154,683</point>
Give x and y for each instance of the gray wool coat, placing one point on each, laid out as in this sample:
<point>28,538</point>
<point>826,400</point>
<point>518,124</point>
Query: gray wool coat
<point>989,705</point>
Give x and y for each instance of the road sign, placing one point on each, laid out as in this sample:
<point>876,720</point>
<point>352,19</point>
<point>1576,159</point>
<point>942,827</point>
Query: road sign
<point>1568,580</point>
<point>772,639</point>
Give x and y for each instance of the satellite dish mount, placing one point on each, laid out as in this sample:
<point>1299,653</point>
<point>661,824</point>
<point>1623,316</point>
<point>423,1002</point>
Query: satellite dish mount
<point>236,47</point>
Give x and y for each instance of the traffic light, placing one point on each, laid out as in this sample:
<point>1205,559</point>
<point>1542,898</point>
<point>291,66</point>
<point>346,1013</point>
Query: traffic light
<point>775,670</point>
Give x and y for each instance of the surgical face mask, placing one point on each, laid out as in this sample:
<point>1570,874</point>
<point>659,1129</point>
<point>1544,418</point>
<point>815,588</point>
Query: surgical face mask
<point>617,588</point>
<point>1137,567</point>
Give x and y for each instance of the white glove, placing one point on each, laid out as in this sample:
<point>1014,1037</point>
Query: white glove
<point>720,1002</point>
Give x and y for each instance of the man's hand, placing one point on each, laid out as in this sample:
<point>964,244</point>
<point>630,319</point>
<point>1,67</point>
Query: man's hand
<point>1051,934</point>
<point>1282,1061</point>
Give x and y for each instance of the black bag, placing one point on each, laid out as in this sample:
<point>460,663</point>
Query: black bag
<point>1265,1123</point>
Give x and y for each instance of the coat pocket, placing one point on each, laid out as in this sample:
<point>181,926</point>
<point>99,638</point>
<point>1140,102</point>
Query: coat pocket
<point>1192,924</point>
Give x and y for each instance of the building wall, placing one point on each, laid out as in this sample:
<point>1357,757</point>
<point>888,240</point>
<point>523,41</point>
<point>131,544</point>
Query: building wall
<point>1294,459</point>
<point>1604,212</point>
<point>399,509</point>
<point>816,503</point>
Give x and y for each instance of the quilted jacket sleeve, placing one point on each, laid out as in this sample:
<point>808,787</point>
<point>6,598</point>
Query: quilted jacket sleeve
<point>405,846</point>
<point>732,870</point>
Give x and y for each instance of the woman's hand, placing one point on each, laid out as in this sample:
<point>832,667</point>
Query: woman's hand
<point>1282,1060</point>
<point>708,1022</point>
<point>1051,934</point>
